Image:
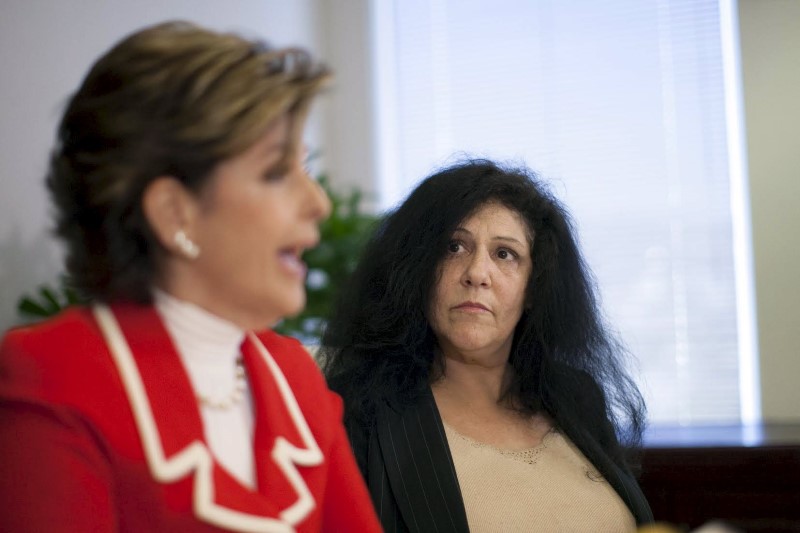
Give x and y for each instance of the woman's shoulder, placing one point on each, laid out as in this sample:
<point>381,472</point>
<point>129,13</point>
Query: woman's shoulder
<point>62,363</point>
<point>566,373</point>
<point>71,322</point>
<point>577,386</point>
<point>341,382</point>
<point>579,405</point>
<point>53,344</point>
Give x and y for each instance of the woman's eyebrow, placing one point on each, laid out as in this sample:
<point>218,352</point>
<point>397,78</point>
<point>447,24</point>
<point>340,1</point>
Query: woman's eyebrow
<point>270,150</point>
<point>503,238</point>
<point>507,239</point>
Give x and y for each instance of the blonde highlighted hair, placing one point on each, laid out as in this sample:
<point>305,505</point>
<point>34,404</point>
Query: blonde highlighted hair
<point>172,99</point>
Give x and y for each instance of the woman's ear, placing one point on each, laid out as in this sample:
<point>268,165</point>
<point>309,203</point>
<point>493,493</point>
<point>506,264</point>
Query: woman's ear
<point>170,209</point>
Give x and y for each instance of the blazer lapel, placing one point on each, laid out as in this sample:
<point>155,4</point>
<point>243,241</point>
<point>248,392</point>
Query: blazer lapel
<point>166,395</point>
<point>279,456</point>
<point>419,469</point>
<point>169,425</point>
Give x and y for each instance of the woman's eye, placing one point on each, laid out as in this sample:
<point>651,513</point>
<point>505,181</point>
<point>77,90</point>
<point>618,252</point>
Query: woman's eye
<point>274,174</point>
<point>454,247</point>
<point>506,254</point>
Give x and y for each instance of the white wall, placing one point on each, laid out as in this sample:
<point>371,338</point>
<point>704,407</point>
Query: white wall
<point>46,47</point>
<point>770,40</point>
<point>350,146</point>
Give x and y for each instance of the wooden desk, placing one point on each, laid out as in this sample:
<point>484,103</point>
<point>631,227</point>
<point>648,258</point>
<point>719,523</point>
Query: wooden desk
<point>746,476</point>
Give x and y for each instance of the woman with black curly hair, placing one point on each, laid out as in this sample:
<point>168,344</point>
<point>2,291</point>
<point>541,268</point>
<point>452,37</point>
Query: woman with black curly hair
<point>482,389</point>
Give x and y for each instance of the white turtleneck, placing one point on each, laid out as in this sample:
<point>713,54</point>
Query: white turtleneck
<point>209,347</point>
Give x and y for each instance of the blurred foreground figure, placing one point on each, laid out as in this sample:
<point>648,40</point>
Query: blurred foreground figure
<point>167,404</point>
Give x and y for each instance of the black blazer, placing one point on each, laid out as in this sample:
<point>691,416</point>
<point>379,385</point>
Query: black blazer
<point>411,477</point>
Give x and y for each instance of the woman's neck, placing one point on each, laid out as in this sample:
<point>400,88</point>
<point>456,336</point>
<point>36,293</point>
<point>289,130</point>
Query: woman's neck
<point>473,385</point>
<point>470,399</point>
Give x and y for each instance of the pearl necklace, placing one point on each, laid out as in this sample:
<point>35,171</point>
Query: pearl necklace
<point>232,398</point>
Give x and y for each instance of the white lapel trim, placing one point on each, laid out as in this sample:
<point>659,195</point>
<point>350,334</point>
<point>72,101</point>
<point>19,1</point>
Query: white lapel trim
<point>196,455</point>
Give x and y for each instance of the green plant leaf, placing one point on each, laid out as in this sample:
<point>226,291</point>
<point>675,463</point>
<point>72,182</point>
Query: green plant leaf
<point>48,300</point>
<point>28,307</point>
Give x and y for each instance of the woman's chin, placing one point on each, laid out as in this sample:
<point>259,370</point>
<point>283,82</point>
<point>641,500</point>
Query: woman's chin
<point>295,306</point>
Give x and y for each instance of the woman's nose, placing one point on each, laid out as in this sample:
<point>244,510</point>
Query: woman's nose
<point>318,201</point>
<point>477,271</point>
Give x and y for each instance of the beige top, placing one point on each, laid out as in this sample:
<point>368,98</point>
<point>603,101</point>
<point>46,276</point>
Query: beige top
<point>551,487</point>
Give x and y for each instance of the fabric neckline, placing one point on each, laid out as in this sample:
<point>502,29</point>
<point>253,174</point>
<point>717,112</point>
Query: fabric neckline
<point>200,336</point>
<point>208,348</point>
<point>523,455</point>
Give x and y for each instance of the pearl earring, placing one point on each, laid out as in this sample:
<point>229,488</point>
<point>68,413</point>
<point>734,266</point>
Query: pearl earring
<point>185,245</point>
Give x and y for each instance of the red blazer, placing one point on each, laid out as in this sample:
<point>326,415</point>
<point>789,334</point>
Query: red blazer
<point>100,431</point>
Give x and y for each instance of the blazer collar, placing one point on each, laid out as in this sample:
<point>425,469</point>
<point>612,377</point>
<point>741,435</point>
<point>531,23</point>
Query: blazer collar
<point>169,425</point>
<point>420,469</point>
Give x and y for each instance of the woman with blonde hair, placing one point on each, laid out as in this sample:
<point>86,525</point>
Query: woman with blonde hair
<point>167,403</point>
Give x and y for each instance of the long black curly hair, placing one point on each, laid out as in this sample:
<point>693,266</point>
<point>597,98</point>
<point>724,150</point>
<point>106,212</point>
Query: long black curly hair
<point>378,345</point>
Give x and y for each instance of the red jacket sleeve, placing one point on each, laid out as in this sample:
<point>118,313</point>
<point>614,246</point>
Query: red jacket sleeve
<point>55,476</point>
